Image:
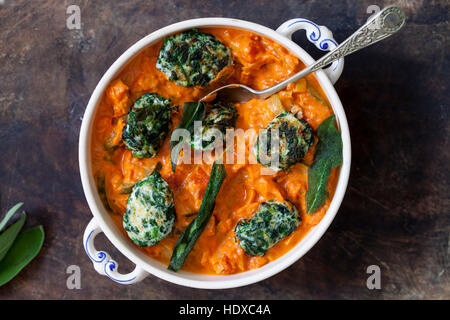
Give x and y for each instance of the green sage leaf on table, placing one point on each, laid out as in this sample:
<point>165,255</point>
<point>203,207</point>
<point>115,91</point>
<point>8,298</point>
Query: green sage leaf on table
<point>9,214</point>
<point>192,111</point>
<point>25,248</point>
<point>9,235</point>
<point>190,235</point>
<point>328,155</point>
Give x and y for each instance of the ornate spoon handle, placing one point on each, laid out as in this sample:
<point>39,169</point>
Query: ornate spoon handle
<point>382,25</point>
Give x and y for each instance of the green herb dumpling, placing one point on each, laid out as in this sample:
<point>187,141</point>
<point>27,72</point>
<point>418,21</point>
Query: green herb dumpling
<point>193,58</point>
<point>147,126</point>
<point>219,117</point>
<point>150,213</point>
<point>295,136</point>
<point>272,222</point>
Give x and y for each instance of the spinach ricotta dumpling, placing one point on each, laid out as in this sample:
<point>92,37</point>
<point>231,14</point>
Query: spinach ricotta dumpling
<point>272,222</point>
<point>295,136</point>
<point>150,211</point>
<point>147,126</point>
<point>193,58</point>
<point>219,117</point>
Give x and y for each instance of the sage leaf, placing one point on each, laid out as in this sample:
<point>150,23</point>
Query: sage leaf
<point>9,214</point>
<point>330,143</point>
<point>190,235</point>
<point>318,175</point>
<point>192,111</point>
<point>9,235</point>
<point>25,248</point>
<point>328,155</point>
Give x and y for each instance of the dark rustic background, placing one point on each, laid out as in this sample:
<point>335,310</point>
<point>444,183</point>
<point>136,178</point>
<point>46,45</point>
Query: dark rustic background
<point>396,210</point>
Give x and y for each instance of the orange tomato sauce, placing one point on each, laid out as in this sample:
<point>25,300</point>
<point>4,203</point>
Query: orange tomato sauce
<point>259,63</point>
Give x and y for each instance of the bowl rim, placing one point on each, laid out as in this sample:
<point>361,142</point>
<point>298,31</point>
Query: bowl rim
<point>182,277</point>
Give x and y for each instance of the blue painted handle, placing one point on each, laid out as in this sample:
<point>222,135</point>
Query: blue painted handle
<point>102,261</point>
<point>322,38</point>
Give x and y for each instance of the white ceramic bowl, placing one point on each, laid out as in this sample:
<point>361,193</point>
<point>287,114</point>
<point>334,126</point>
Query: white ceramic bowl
<point>101,222</point>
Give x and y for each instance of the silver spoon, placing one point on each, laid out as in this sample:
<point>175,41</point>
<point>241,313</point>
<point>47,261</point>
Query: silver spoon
<point>382,25</point>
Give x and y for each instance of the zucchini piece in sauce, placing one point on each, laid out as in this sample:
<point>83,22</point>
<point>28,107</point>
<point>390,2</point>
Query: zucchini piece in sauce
<point>150,213</point>
<point>295,136</point>
<point>147,126</point>
<point>272,222</point>
<point>193,58</point>
<point>193,231</point>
